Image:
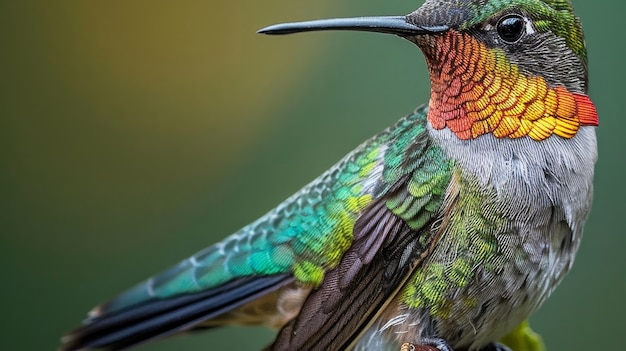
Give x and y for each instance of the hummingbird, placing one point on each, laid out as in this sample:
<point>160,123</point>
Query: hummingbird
<point>446,230</point>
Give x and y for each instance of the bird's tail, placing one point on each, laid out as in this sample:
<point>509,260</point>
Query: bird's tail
<point>159,318</point>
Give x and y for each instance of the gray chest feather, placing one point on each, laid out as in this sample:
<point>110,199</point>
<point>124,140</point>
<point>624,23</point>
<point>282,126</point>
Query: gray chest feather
<point>542,193</point>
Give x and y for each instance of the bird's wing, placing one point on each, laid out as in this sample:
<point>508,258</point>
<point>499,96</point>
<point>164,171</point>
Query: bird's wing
<point>298,241</point>
<point>391,236</point>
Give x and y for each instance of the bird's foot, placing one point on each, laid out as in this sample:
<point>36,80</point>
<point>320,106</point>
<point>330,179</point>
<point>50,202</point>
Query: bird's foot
<point>429,344</point>
<point>494,346</point>
<point>407,346</point>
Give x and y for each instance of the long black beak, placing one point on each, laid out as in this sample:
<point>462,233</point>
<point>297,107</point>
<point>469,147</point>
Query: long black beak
<point>397,25</point>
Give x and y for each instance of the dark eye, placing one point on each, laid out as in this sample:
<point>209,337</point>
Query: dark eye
<point>511,28</point>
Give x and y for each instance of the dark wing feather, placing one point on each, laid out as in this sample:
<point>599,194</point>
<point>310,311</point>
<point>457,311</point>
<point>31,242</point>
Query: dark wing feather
<point>386,250</point>
<point>160,318</point>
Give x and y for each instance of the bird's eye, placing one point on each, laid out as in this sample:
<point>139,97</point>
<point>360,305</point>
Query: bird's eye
<point>511,28</point>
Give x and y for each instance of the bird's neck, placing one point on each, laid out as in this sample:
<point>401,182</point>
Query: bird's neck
<point>476,90</point>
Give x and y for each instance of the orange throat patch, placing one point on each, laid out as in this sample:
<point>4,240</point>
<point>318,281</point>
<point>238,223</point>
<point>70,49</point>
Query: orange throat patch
<point>477,90</point>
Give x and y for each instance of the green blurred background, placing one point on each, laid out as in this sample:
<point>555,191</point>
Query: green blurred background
<point>134,133</point>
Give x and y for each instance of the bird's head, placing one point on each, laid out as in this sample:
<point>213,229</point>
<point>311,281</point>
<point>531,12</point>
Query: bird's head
<point>511,68</point>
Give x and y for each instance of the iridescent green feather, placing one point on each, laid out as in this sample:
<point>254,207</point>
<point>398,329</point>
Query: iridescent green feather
<point>474,219</point>
<point>309,233</point>
<point>423,168</point>
<point>306,235</point>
